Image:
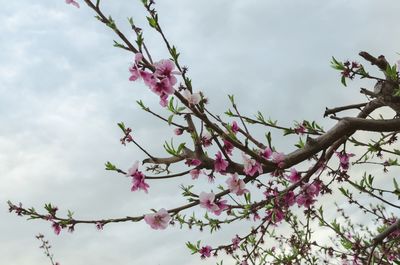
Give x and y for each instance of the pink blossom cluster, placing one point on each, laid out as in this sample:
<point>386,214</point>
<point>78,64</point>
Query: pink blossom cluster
<point>228,147</point>
<point>308,193</point>
<point>207,201</point>
<point>276,157</point>
<point>344,159</point>
<point>236,185</point>
<point>205,252</point>
<point>160,82</point>
<point>251,166</point>
<point>294,175</point>
<point>138,178</point>
<point>220,164</point>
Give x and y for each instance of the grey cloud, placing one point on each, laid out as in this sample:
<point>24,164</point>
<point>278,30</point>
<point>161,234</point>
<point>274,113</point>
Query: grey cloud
<point>64,88</point>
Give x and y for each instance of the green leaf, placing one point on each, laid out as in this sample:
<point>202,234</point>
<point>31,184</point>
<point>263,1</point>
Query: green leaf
<point>247,197</point>
<point>110,166</point>
<point>139,40</point>
<point>260,117</point>
<point>111,23</point>
<point>232,99</point>
<point>152,22</point>
<point>343,80</point>
<point>118,45</point>
<point>337,65</point>
<point>122,126</point>
<point>391,72</point>
<point>180,148</point>
<point>174,53</point>
<point>229,113</point>
<point>170,119</point>
<point>344,191</point>
<point>269,138</point>
<point>287,131</point>
<point>70,214</point>
<point>346,243</point>
<point>193,247</point>
<point>130,20</point>
<point>300,144</point>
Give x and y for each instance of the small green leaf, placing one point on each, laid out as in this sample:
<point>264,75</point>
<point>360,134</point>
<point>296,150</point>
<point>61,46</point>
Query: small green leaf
<point>170,119</point>
<point>337,65</point>
<point>152,22</point>
<point>193,247</point>
<point>122,126</point>
<point>130,20</point>
<point>346,243</point>
<point>343,80</point>
<point>110,166</point>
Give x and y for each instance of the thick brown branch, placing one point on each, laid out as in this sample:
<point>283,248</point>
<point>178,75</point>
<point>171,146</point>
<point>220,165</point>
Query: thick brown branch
<point>380,61</point>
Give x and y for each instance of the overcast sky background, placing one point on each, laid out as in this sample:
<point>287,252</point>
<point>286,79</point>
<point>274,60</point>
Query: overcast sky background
<point>63,88</point>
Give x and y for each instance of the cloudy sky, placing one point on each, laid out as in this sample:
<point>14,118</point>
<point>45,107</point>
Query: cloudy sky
<point>64,87</point>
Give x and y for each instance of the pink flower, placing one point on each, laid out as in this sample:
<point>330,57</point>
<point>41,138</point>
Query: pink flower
<point>303,199</point>
<point>294,175</point>
<point>56,227</point>
<point>138,182</point>
<point>235,242</point>
<point>164,69</point>
<point>234,127</point>
<point>158,220</point>
<point>135,73</point>
<point>138,178</point>
<point>133,169</point>
<point>192,162</point>
<point>206,139</point>
<point>300,129</point>
<point>134,69</point>
<point>290,198</point>
<point>251,166</point>
<point>236,185</point>
<point>207,201</point>
<point>163,87</point>
<point>344,159</point>
<point>278,158</point>
<point>205,252</point>
<point>193,99</point>
<point>309,191</point>
<point>149,79</point>
<point>267,153</point>
<point>222,206</point>
<point>313,189</point>
<point>195,173</point>
<point>220,164</point>
<point>228,147</point>
<point>138,57</point>
<point>178,131</point>
<point>72,2</point>
<point>99,225</point>
<point>275,215</point>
